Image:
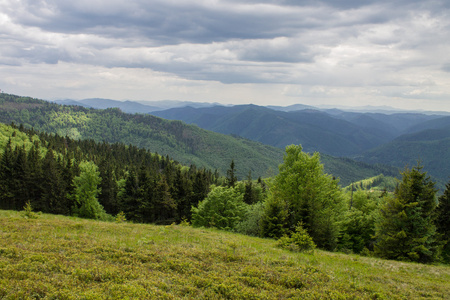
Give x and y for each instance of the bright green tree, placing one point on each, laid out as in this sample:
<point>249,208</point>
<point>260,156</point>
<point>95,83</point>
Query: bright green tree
<point>224,207</point>
<point>358,224</point>
<point>405,229</point>
<point>86,191</point>
<point>311,196</point>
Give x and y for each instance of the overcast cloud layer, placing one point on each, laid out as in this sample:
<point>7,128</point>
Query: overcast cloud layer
<point>351,53</point>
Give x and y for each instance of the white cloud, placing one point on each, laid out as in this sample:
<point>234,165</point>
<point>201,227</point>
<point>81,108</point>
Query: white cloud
<point>287,51</point>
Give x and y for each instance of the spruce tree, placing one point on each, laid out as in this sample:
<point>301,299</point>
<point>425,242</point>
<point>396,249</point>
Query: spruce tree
<point>7,200</point>
<point>405,229</point>
<point>231,177</point>
<point>443,223</point>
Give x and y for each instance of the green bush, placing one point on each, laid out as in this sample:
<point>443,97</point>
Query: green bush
<point>299,241</point>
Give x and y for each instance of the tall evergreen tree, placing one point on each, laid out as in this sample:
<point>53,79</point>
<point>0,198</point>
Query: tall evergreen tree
<point>35,176</point>
<point>443,223</point>
<point>53,188</point>
<point>249,196</point>
<point>405,229</point>
<point>231,176</point>
<point>20,178</point>
<point>6,178</point>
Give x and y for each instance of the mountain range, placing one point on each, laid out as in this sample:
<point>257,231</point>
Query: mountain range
<point>379,135</point>
<point>188,144</point>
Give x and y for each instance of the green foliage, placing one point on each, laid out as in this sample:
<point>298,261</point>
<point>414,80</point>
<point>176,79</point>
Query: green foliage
<point>120,217</point>
<point>405,229</point>
<point>56,257</point>
<point>231,176</point>
<point>298,241</point>
<point>376,183</point>
<point>187,144</point>
<point>28,212</point>
<point>443,223</point>
<point>252,223</point>
<point>274,219</point>
<point>358,223</point>
<point>223,208</point>
<point>310,196</point>
<point>44,169</point>
<point>86,192</point>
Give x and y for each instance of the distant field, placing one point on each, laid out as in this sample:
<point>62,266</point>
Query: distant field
<point>55,257</point>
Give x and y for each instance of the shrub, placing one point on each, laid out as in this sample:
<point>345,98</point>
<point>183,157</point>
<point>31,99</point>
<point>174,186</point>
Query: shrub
<point>28,212</point>
<point>299,241</point>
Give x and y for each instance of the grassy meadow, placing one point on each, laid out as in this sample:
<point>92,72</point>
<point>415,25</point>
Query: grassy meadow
<point>55,257</point>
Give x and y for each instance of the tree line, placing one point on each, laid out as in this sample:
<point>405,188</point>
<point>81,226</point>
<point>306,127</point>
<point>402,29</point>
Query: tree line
<point>410,224</point>
<point>60,175</point>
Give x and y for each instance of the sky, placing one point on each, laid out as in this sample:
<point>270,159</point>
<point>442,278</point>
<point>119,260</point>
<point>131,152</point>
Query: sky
<point>276,52</point>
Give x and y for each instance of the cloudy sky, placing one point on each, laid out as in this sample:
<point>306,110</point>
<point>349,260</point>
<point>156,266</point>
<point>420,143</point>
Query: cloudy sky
<point>280,52</point>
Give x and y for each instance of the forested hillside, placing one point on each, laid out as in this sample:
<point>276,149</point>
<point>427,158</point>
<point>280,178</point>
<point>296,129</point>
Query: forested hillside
<point>430,146</point>
<point>63,176</point>
<point>396,140</point>
<point>187,144</point>
<point>332,132</point>
<point>302,206</point>
<point>184,143</point>
<point>314,130</point>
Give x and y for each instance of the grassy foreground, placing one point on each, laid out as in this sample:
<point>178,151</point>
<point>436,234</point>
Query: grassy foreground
<point>56,257</point>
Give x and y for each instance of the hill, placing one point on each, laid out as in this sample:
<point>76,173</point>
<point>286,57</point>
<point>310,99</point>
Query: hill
<point>331,132</point>
<point>187,144</point>
<point>431,147</point>
<point>54,257</point>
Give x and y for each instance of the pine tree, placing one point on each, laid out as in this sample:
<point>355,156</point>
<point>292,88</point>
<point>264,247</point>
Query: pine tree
<point>6,178</point>
<point>231,177</point>
<point>165,207</point>
<point>20,174</point>
<point>249,196</point>
<point>405,229</point>
<point>443,223</point>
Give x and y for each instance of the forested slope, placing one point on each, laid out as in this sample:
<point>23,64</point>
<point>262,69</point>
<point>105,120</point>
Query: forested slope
<point>313,129</point>
<point>431,147</point>
<point>184,143</point>
<point>187,144</point>
<point>63,176</point>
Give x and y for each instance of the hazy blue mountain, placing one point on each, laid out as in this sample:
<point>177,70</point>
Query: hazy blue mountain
<point>430,146</point>
<point>436,123</point>
<point>125,106</point>
<point>167,104</point>
<point>314,130</point>
<point>71,102</point>
<point>293,107</point>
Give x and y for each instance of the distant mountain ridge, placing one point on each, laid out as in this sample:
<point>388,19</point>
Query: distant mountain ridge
<point>143,107</point>
<point>186,143</point>
<point>337,133</point>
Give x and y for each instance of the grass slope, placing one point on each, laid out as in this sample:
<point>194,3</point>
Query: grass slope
<point>56,257</point>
